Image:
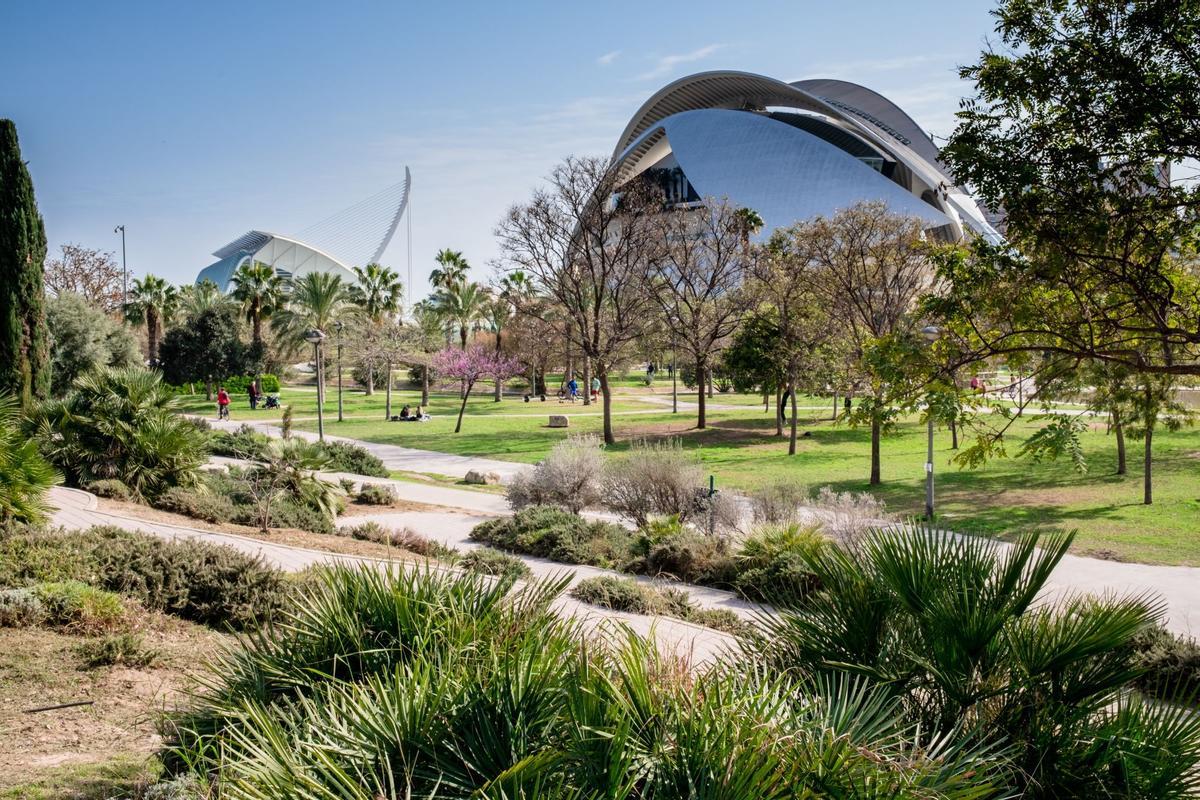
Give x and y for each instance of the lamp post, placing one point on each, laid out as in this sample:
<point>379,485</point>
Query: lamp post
<point>337,326</point>
<point>930,334</point>
<point>674,370</point>
<point>124,269</point>
<point>315,337</point>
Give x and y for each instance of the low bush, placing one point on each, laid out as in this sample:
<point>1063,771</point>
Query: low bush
<point>240,384</point>
<point>772,564</point>
<point>375,494</point>
<point>111,488</point>
<point>1170,664</point>
<point>668,548</point>
<point>245,442</point>
<point>404,539</point>
<point>20,608</point>
<point>207,506</point>
<point>559,535</point>
<point>780,500</point>
<point>80,607</point>
<point>663,479</point>
<point>487,561</point>
<point>347,485</point>
<point>31,555</point>
<point>721,619</point>
<point>124,649</point>
<point>849,516</point>
<point>569,476</point>
<point>353,458</point>
<point>618,594</point>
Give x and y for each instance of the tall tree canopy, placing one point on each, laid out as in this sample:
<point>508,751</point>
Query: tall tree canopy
<point>24,350</point>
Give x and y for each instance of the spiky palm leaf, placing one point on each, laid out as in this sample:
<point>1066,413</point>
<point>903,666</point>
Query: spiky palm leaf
<point>25,476</point>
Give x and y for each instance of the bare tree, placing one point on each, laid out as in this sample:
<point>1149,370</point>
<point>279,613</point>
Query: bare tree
<point>94,275</point>
<point>698,282</point>
<point>586,242</point>
<point>869,267</point>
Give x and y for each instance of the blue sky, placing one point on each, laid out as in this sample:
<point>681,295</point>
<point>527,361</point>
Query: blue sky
<point>192,123</point>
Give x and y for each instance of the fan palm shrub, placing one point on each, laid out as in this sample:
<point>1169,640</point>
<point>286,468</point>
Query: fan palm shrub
<point>25,476</point>
<point>121,424</point>
<point>956,629</point>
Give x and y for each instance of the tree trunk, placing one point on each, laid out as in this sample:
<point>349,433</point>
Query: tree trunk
<point>425,385</point>
<point>1147,487</point>
<point>462,408</point>
<point>387,406</point>
<point>499,394</point>
<point>875,435</point>
<point>604,390</point>
<point>256,321</point>
<point>587,381</point>
<point>792,395</point>
<point>835,405</point>
<point>370,379</point>
<point>953,434</point>
<point>766,401</point>
<point>208,393</point>
<point>779,411</point>
<point>708,375</point>
<point>151,337</point>
<point>701,416</point>
<point>1119,430</point>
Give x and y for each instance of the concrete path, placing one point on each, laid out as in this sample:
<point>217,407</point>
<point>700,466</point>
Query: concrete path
<point>77,510</point>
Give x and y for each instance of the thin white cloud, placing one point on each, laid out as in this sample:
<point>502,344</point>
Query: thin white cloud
<point>873,66</point>
<point>608,58</point>
<point>667,63</point>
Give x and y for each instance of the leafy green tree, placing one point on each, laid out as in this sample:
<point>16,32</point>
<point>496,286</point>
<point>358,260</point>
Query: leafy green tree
<point>756,361</point>
<point>197,298</point>
<point>84,338</point>
<point>317,300</point>
<point>206,349</point>
<point>24,349</point>
<point>260,290</point>
<point>25,476</point>
<point>121,424</point>
<point>152,302</point>
<point>378,295</point>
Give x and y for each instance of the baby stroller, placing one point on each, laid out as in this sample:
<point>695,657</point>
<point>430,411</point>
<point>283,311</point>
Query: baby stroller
<point>272,401</point>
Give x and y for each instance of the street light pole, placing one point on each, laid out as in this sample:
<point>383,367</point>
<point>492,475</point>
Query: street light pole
<point>931,334</point>
<point>124,268</point>
<point>338,327</point>
<point>674,372</point>
<point>316,336</point>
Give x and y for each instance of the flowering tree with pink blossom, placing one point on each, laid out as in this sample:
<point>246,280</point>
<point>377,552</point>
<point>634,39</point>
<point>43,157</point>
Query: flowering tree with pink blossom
<point>469,365</point>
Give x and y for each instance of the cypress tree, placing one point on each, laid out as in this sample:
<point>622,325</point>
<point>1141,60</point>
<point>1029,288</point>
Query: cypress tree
<point>24,350</point>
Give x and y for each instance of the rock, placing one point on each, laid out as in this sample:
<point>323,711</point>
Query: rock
<point>559,421</point>
<point>482,478</point>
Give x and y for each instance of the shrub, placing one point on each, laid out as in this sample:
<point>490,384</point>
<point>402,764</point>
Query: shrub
<point>353,458</point>
<point>376,494</point>
<point>245,442</point>
<point>207,506</point>
<point>125,649</point>
<point>1170,664</point>
<point>378,376</point>
<point>347,485</point>
<point>206,583</point>
<point>721,619</point>
<point>619,594</point>
<point>20,608</point>
<point>849,515</point>
<point>487,561</point>
<point>773,564</point>
<point>692,557</point>
<point>122,424</point>
<point>76,605</point>
<point>240,384</point>
<point>287,513</point>
<point>404,539</point>
<point>780,500</point>
<point>654,479</point>
<point>31,555</point>
<point>25,474</point>
<point>559,535</point>
<point>569,476</point>
<point>110,488</point>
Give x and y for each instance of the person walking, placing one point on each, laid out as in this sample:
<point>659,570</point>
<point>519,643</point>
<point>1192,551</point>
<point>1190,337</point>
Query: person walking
<point>595,388</point>
<point>573,389</point>
<point>253,395</point>
<point>222,403</point>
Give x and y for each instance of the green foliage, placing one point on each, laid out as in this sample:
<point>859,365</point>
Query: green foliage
<point>403,538</point>
<point>24,349</point>
<point>83,338</point>
<point>619,594</point>
<point>667,548</point>
<point>124,649</point>
<point>20,608</point>
<point>376,494</point>
<point>755,360</point>
<point>205,348</point>
<point>240,384</point>
<point>121,424</point>
<point>1171,665</point>
<point>487,561</point>
<point>112,489</point>
<point>80,607</point>
<point>773,564</point>
<point>203,505</point>
<point>557,534</point>
<point>353,458</point>
<point>25,476</point>
<point>948,625</point>
<point>245,442</point>
<point>1060,436</point>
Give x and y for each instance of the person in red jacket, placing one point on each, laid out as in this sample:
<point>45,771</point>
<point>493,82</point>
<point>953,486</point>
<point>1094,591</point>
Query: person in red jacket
<point>222,403</point>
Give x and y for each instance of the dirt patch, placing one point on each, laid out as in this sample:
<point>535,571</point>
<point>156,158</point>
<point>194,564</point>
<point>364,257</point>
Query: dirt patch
<point>41,667</point>
<point>359,509</point>
<point>286,536</point>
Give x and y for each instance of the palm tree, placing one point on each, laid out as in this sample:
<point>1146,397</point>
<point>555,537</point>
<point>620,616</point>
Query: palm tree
<point>750,222</point>
<point>316,300</point>
<point>377,294</point>
<point>260,290</point>
<point>452,269</point>
<point>426,338</point>
<point>25,476</point>
<point>204,296</point>
<point>503,303</point>
<point>152,302</point>
<point>463,304</point>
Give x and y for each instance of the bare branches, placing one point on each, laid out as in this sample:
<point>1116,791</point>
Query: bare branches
<point>94,275</point>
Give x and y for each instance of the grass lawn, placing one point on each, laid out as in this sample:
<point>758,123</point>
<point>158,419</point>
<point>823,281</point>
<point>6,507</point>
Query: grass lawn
<point>1004,497</point>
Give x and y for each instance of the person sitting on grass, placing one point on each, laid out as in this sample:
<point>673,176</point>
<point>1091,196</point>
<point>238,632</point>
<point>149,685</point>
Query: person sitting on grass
<point>404,413</point>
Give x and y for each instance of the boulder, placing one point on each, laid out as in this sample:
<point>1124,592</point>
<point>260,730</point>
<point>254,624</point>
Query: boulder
<point>482,478</point>
<point>559,421</point>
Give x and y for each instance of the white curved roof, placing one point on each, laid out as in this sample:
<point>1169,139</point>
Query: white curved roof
<point>289,257</point>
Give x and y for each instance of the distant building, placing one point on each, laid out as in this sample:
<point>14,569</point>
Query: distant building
<point>358,235</point>
<point>792,151</point>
